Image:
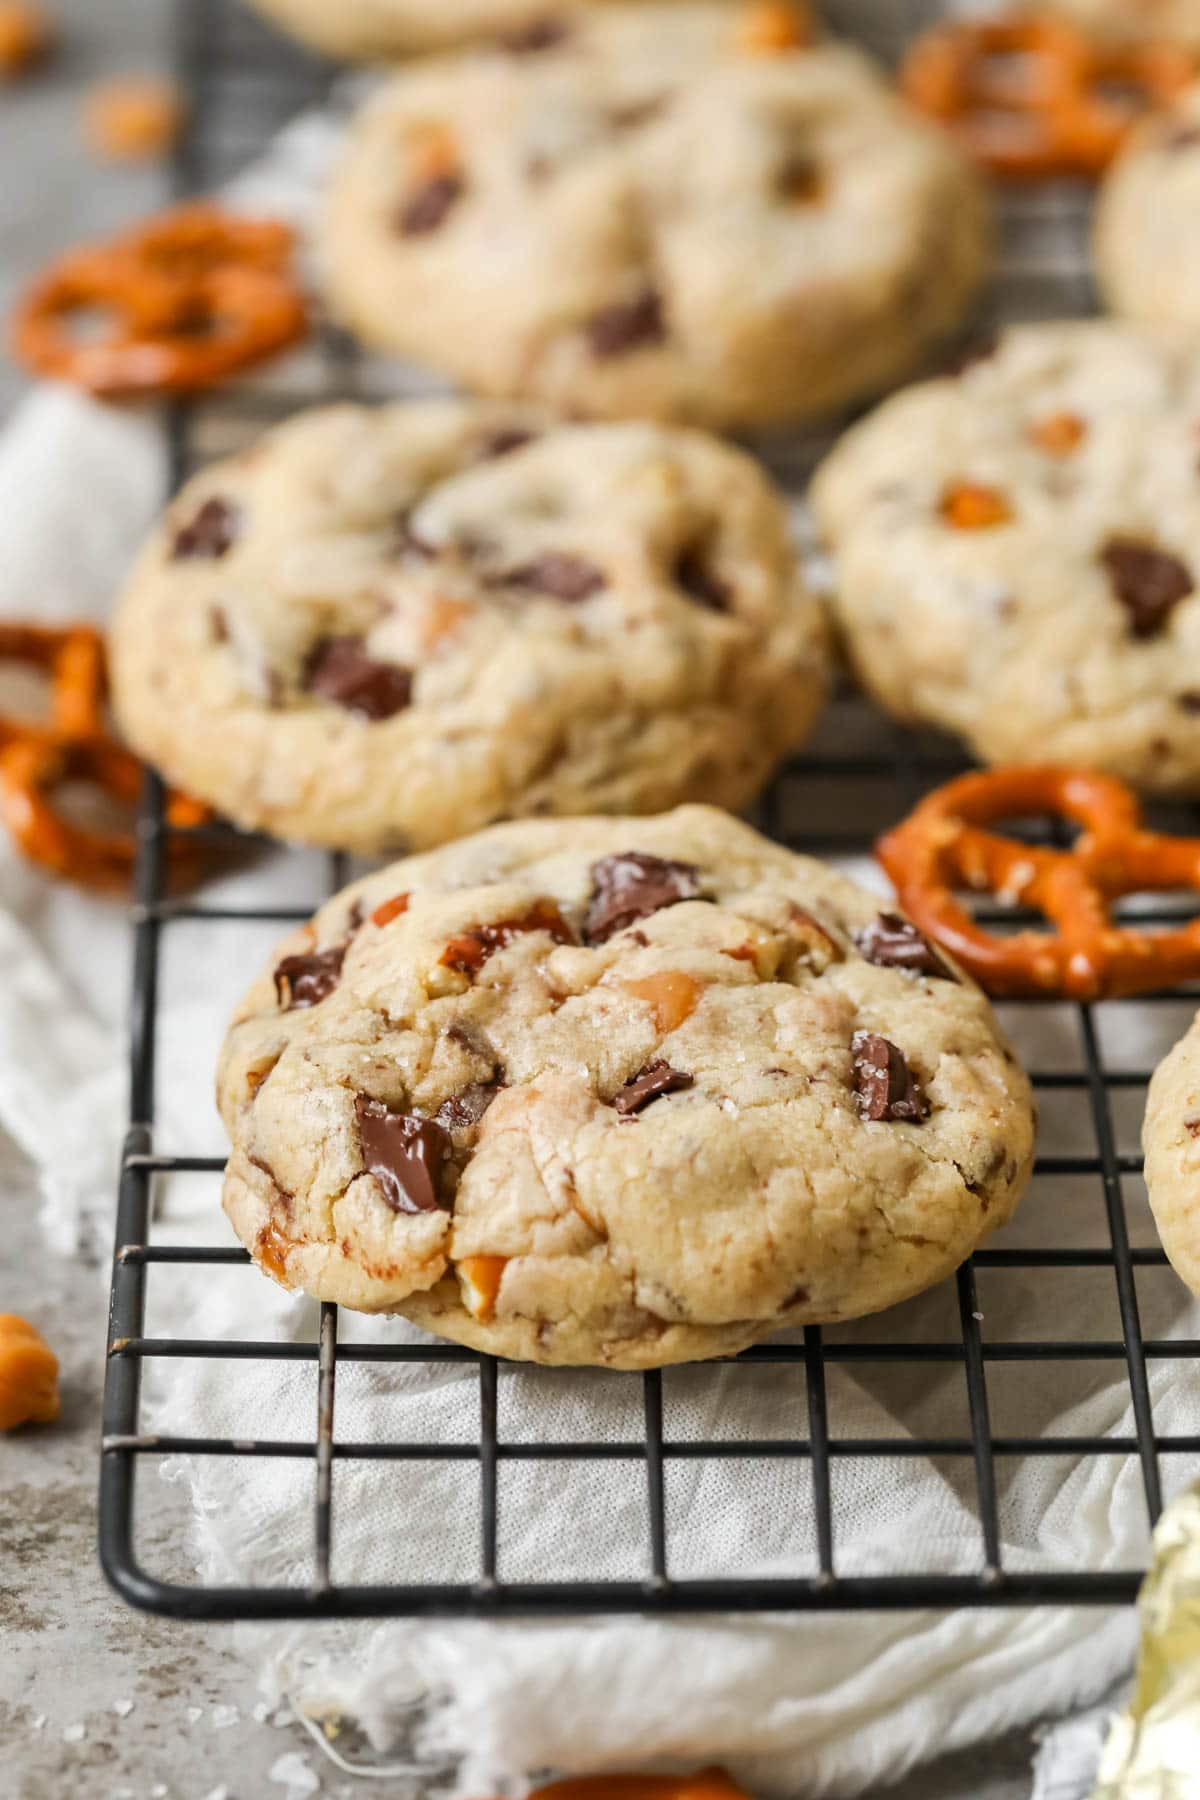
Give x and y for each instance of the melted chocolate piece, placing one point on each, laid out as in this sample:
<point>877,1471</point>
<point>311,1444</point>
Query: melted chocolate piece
<point>1146,580</point>
<point>884,1085</point>
<point>694,576</point>
<point>562,576</point>
<point>630,887</point>
<point>471,949</point>
<point>404,1154</point>
<point>467,1107</point>
<point>212,532</point>
<point>340,670</point>
<point>426,209</point>
<point>627,325</point>
<point>309,979</point>
<point>893,943</point>
<point>658,1077</point>
<point>540,34</point>
<point>504,440</point>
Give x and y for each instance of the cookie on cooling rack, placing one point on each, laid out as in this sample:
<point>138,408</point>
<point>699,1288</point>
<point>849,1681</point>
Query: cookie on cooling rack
<point>1017,552</point>
<point>658,216</point>
<point>1134,21</point>
<point>1147,232</point>
<point>616,1091</point>
<point>379,629</point>
<point>1171,1140</point>
<point>396,28</point>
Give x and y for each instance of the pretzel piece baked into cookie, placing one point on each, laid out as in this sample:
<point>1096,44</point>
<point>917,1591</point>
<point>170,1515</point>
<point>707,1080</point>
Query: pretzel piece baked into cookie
<point>942,848</point>
<point>190,297</point>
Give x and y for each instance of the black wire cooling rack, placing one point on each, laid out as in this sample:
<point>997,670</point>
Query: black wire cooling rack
<point>243,82</point>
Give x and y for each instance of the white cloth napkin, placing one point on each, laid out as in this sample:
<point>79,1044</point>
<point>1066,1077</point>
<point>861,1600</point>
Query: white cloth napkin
<point>807,1704</point>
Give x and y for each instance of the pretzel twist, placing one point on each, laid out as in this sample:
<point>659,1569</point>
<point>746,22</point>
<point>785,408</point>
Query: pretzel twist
<point>941,847</point>
<point>73,745</point>
<point>1030,97</point>
<point>190,297</point>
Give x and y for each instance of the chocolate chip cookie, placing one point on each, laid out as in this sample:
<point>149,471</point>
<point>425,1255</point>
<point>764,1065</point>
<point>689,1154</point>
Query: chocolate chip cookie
<point>394,28</point>
<point>1147,243</point>
<point>379,629</point>
<point>616,1091</point>
<point>1017,552</point>
<point>1171,1140</point>
<point>659,215</point>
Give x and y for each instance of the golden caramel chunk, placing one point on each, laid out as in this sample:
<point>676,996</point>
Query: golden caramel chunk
<point>1059,433</point>
<point>479,1278</point>
<point>969,506</point>
<point>671,994</point>
<point>772,27</point>
<point>26,38</point>
<point>133,119</point>
<point>28,1375</point>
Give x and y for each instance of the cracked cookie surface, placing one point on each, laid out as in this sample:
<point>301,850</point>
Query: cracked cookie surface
<point>1171,1140</point>
<point>1017,552</point>
<point>616,1091</point>
<point>379,629</point>
<point>659,215</point>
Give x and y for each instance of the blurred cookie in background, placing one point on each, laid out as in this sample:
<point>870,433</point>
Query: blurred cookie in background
<point>1147,231</point>
<point>667,214</point>
<point>1017,552</point>
<point>1134,21</point>
<point>382,29</point>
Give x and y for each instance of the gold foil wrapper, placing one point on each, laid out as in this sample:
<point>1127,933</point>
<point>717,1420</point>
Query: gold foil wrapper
<point>1153,1748</point>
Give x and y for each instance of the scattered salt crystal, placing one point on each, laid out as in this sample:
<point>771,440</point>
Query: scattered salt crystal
<point>293,1773</point>
<point>261,1712</point>
<point>224,1716</point>
<point>122,1708</point>
<point>978,1316</point>
<point>38,1722</point>
<point>74,1734</point>
<point>194,1713</point>
<point>283,1716</point>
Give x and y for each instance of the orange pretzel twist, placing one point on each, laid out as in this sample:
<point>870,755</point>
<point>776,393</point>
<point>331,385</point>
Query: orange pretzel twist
<point>194,295</point>
<point>1029,97</point>
<point>73,745</point>
<point>939,848</point>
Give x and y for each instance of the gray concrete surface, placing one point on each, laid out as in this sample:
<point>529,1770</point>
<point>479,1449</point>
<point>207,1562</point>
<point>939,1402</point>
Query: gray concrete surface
<point>96,1701</point>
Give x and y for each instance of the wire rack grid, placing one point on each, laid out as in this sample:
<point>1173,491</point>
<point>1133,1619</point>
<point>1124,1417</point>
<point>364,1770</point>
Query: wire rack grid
<point>243,83</point>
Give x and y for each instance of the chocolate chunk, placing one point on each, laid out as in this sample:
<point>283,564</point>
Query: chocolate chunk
<point>340,670</point>
<point>354,919</point>
<point>425,210</point>
<point>1148,581</point>
<point>468,1106</point>
<point>893,943</point>
<point>884,1085</point>
<point>504,440</point>
<point>693,574</point>
<point>307,980</point>
<point>405,1154</point>
<point>540,34</point>
<point>630,887</point>
<point>800,180</point>
<point>1188,701</point>
<point>627,325</point>
<point>563,577</point>
<point>658,1077</point>
<point>471,949</point>
<point>979,347</point>
<point>212,532</point>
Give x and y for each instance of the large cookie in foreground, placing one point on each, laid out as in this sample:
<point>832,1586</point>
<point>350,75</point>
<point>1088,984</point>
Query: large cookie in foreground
<point>382,629</point>
<point>1171,1140</point>
<point>616,1091</point>
<point>650,218</point>
<point>1017,552</point>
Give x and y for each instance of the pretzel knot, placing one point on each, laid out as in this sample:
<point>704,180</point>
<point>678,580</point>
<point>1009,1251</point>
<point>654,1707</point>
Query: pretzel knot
<point>940,848</point>
<point>185,300</point>
<point>1029,97</point>
<point>73,745</point>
